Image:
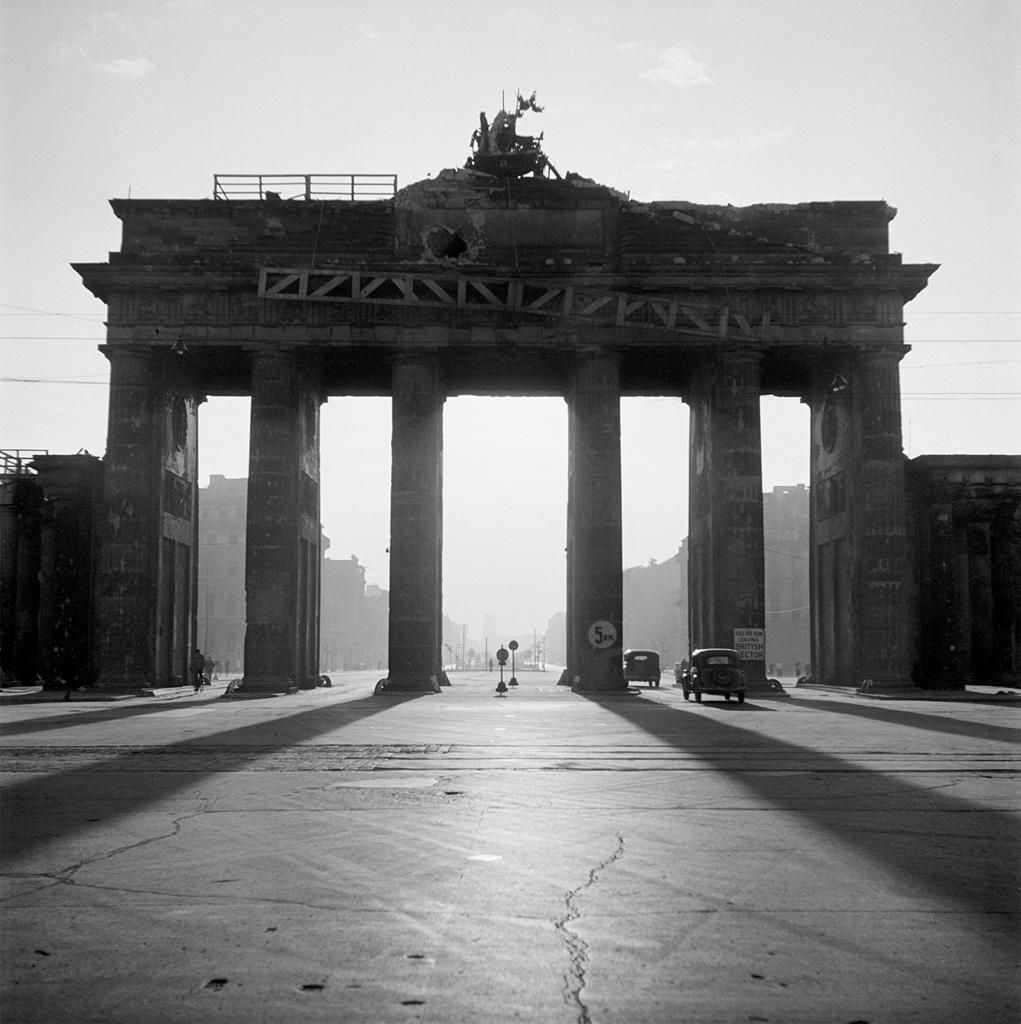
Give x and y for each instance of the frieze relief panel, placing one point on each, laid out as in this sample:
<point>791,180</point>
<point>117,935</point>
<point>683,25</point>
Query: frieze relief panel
<point>245,307</point>
<point>861,308</point>
<point>815,308</point>
<point>831,496</point>
<point>139,307</point>
<point>758,308</point>
<point>177,495</point>
<point>788,308</point>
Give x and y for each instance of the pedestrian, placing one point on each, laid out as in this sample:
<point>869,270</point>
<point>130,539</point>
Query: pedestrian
<point>197,665</point>
<point>210,667</point>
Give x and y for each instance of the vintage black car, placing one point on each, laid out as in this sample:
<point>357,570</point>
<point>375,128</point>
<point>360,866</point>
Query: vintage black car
<point>642,667</point>
<point>715,670</point>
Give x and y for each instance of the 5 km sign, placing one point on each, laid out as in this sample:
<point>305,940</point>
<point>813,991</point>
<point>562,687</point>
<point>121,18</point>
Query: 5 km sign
<point>602,634</point>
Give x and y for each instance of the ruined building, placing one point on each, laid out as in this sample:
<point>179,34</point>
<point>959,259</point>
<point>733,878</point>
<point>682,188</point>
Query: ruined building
<point>488,283</point>
<point>965,519</point>
<point>472,284</point>
<point>49,507</point>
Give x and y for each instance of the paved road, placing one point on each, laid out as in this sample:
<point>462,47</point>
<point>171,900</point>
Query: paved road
<point>338,856</point>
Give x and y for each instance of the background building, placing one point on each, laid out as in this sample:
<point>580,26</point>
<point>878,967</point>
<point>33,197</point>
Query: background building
<point>964,513</point>
<point>656,595</point>
<point>788,621</point>
<point>656,607</point>
<point>223,509</point>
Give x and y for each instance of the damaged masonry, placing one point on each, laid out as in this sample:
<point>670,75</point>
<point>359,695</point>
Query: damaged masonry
<point>500,279</point>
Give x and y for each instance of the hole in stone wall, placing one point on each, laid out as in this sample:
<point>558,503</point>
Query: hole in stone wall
<point>444,243</point>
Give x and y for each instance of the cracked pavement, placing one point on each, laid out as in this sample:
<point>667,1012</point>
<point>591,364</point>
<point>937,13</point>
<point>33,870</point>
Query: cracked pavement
<point>552,858</point>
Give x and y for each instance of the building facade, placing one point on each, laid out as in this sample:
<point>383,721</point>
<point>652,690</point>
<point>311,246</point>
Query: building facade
<point>965,517</point>
<point>49,505</point>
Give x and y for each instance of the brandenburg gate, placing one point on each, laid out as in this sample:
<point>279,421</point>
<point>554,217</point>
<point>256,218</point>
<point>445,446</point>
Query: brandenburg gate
<point>484,281</point>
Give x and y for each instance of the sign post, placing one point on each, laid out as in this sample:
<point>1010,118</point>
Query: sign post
<point>501,657</point>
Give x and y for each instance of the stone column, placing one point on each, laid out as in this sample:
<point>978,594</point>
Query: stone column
<point>880,563</point>
<point>282,495</point>
<point>726,563</point>
<point>177,432</point>
<point>416,525</point>
<point>129,527</point>
<point>595,593</point>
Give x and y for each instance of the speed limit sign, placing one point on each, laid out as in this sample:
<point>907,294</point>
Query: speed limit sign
<point>602,634</point>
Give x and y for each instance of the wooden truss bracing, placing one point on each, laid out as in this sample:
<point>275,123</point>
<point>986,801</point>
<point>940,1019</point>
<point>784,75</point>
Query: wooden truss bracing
<point>552,300</point>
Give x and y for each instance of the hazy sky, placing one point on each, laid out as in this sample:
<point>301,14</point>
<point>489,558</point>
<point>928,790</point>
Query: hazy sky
<point>735,101</point>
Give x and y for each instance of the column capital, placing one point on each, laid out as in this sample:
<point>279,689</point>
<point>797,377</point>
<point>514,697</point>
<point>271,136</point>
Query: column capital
<point>130,365</point>
<point>883,354</point>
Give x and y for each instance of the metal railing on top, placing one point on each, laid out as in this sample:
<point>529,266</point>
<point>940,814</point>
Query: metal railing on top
<point>17,461</point>
<point>304,186</point>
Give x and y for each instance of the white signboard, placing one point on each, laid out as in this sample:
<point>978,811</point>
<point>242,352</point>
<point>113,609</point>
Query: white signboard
<point>750,644</point>
<point>602,634</point>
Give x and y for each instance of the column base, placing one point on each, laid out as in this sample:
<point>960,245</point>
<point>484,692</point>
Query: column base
<point>417,685</point>
<point>579,685</point>
<point>887,688</point>
<point>764,688</point>
<point>265,687</point>
<point>123,685</point>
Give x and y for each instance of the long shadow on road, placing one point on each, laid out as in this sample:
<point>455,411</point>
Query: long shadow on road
<point>918,720</point>
<point>955,848</point>
<point>30,807</point>
<point>98,714</point>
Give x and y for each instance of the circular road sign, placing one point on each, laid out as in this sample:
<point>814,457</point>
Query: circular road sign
<point>501,655</point>
<point>602,634</point>
<point>513,645</point>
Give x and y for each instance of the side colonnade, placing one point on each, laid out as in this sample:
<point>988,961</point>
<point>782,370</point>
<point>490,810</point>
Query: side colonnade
<point>861,585</point>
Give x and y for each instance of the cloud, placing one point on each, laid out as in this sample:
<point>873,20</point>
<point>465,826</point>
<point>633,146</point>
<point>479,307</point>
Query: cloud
<point>118,67</point>
<point>124,67</point>
<point>65,52</point>
<point>702,156</point>
<point>676,66</point>
<point>368,32</point>
<point>101,22</point>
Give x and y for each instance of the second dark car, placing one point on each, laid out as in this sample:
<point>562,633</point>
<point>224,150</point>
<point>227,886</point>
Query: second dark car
<point>642,667</point>
<point>715,670</point>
